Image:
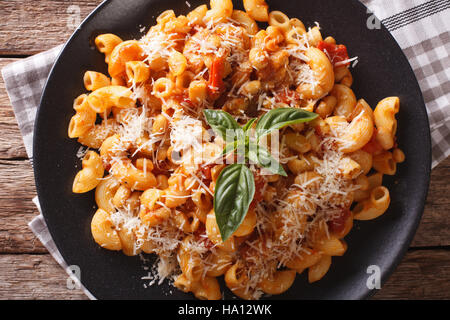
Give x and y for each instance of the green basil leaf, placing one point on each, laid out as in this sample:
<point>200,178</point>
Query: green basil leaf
<point>278,118</point>
<point>262,157</point>
<point>248,125</point>
<point>221,121</point>
<point>240,144</point>
<point>229,147</point>
<point>233,194</point>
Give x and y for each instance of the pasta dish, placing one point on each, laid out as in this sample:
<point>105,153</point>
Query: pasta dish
<point>230,150</point>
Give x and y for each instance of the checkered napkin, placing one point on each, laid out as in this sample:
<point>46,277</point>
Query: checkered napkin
<point>422,29</point>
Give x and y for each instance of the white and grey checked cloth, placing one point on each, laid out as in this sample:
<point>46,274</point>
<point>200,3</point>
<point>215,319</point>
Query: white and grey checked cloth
<point>421,27</point>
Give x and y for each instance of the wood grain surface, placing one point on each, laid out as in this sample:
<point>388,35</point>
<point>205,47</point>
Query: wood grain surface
<point>30,27</point>
<point>27,271</point>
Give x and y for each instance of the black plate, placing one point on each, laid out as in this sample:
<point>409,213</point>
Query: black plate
<point>382,71</point>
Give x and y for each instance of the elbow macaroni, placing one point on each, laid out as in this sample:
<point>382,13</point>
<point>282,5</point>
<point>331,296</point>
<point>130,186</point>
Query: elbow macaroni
<point>89,177</point>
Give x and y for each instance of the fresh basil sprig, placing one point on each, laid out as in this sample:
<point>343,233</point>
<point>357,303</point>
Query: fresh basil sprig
<point>233,194</point>
<point>235,186</point>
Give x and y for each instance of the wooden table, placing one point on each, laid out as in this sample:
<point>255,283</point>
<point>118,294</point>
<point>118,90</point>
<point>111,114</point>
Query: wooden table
<point>27,271</point>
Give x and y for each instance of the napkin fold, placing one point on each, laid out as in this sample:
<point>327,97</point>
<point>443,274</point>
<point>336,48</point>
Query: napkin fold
<point>422,29</point>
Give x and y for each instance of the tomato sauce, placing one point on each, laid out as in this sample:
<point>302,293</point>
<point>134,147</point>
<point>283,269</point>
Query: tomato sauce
<point>215,83</point>
<point>259,186</point>
<point>373,146</point>
<point>337,225</point>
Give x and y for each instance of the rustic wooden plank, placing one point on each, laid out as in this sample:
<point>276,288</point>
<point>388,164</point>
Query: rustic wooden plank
<point>17,183</point>
<point>11,145</point>
<point>435,223</point>
<point>27,29</point>
<point>423,274</point>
